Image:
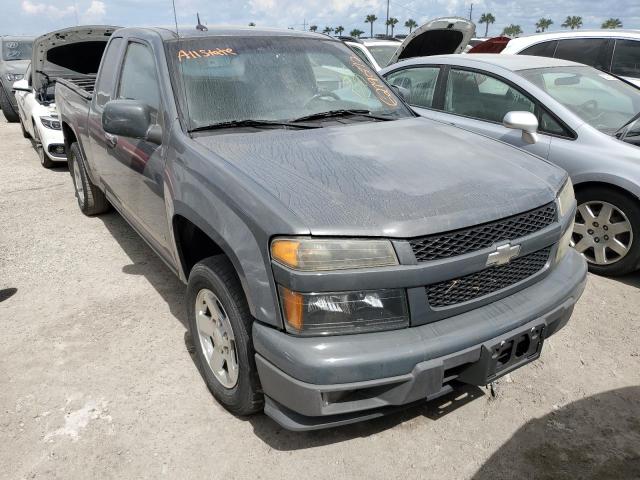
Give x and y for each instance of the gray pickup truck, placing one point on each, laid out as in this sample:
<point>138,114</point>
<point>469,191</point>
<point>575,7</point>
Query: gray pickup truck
<point>342,256</point>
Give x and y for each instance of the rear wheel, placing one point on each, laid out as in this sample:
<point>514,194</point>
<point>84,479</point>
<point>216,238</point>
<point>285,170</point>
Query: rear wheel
<point>45,161</point>
<point>607,230</point>
<point>220,326</point>
<point>7,109</point>
<point>91,199</point>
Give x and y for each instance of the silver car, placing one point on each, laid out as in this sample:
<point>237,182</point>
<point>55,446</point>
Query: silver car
<point>578,117</point>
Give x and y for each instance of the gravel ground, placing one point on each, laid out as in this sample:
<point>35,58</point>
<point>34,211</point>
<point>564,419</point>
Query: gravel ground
<point>96,381</point>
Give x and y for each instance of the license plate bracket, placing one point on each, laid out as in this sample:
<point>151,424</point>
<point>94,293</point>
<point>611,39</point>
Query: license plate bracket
<point>501,356</point>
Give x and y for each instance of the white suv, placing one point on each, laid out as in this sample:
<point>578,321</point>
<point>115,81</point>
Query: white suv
<point>614,51</point>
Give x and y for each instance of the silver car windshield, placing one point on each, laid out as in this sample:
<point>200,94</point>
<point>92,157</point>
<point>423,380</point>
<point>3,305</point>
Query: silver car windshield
<point>16,50</point>
<point>602,100</point>
<point>274,78</point>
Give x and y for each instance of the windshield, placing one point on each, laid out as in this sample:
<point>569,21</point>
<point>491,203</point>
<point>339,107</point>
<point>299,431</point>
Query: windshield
<point>383,53</point>
<point>16,50</point>
<point>600,99</point>
<point>278,78</point>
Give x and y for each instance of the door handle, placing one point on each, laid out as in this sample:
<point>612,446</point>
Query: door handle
<point>111,140</point>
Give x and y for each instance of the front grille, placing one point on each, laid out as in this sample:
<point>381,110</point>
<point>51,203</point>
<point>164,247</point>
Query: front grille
<point>479,284</point>
<point>459,242</point>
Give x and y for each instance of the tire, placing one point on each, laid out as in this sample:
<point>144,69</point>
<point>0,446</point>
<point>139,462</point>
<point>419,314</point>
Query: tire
<point>7,109</point>
<point>91,199</point>
<point>624,221</point>
<point>216,275</point>
<point>45,161</point>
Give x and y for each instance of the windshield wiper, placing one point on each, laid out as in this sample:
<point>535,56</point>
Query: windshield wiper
<point>341,113</point>
<point>250,123</point>
<point>621,129</point>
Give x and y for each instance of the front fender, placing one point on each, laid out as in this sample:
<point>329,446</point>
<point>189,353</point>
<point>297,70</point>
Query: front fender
<point>237,241</point>
<point>624,183</point>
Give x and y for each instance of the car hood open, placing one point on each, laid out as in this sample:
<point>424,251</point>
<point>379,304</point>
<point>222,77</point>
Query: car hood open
<point>440,36</point>
<point>69,52</point>
<point>397,179</point>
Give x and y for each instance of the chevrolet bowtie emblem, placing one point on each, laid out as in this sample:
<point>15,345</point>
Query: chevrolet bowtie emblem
<point>503,255</point>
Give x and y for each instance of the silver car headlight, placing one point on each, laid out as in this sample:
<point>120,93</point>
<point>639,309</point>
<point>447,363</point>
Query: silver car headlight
<point>566,198</point>
<point>323,254</point>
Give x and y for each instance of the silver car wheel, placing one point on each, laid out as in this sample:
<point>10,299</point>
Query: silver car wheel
<point>217,342</point>
<point>77,181</point>
<point>602,233</point>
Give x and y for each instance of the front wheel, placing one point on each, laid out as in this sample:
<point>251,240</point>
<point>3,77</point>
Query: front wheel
<point>220,327</point>
<point>607,230</point>
<point>10,114</point>
<point>45,161</point>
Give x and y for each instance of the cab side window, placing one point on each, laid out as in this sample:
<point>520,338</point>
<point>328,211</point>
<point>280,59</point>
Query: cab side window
<point>483,97</point>
<point>107,78</point>
<point>139,79</point>
<point>590,51</point>
<point>544,49</point>
<point>626,58</point>
<point>419,81</point>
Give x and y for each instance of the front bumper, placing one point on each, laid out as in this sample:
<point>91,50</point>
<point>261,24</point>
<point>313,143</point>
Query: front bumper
<point>319,382</point>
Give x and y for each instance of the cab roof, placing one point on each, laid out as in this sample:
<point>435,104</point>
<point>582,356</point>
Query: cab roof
<point>187,32</point>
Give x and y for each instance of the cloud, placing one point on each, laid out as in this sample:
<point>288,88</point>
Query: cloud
<point>95,13</point>
<point>49,10</point>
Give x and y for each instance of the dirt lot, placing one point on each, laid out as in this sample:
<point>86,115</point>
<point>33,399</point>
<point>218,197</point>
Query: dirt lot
<point>96,381</point>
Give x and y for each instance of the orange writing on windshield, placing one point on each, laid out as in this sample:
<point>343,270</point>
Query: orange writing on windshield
<point>204,53</point>
<point>382,92</point>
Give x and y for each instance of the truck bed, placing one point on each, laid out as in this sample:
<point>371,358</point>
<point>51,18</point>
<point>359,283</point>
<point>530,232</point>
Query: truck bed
<point>83,85</point>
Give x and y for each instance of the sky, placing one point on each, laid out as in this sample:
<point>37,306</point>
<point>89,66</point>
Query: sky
<point>34,17</point>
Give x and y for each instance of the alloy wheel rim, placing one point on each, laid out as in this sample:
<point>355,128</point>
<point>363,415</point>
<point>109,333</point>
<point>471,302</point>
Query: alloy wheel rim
<point>602,233</point>
<point>216,339</point>
<point>77,180</point>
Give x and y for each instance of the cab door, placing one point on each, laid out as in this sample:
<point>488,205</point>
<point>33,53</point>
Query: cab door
<point>137,165</point>
<point>478,101</point>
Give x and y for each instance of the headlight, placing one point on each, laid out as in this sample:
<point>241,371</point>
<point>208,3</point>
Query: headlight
<point>313,255</point>
<point>51,122</point>
<point>312,314</point>
<point>14,77</point>
<point>566,198</point>
<point>565,242</point>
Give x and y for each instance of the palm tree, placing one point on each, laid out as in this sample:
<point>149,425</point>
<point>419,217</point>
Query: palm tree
<point>410,24</point>
<point>488,19</point>
<point>313,28</point>
<point>355,33</point>
<point>572,22</point>
<point>370,19</point>
<point>327,30</point>
<point>339,29</point>
<point>252,24</point>
<point>543,24</point>
<point>612,23</point>
<point>512,30</point>
<point>392,22</point>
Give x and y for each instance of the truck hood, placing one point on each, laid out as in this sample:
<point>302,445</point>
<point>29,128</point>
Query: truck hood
<point>400,179</point>
<point>68,52</point>
<point>440,36</point>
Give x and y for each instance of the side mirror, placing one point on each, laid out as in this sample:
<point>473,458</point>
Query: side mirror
<point>403,92</point>
<point>130,118</point>
<point>525,121</point>
<point>21,86</point>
